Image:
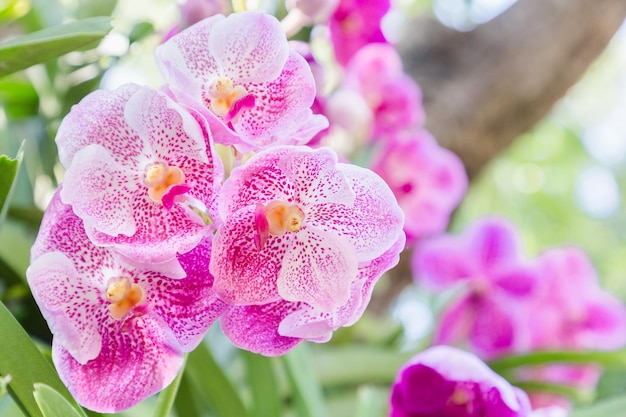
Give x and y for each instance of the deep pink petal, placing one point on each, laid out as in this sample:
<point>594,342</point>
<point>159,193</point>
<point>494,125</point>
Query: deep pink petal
<point>255,328</point>
<point>427,180</point>
<point>518,280</point>
<point>354,24</point>
<point>317,269</point>
<point>494,331</point>
<point>494,241</point>
<point>248,47</point>
<point>132,365</point>
<point>441,262</point>
<point>243,274</point>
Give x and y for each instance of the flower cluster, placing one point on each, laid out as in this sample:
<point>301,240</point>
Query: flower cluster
<point>507,303</point>
<point>151,238</point>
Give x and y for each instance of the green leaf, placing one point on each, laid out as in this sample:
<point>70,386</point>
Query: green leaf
<point>207,375</point>
<point>612,359</point>
<point>50,43</point>
<point>168,395</point>
<point>53,404</point>
<point>306,388</point>
<point>611,407</point>
<point>343,366</point>
<point>20,358</point>
<point>8,172</point>
<point>262,380</point>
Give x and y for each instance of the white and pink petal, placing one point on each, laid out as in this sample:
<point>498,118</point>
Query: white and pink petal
<point>132,365</point>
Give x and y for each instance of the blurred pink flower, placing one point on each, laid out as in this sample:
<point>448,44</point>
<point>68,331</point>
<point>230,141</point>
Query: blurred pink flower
<point>140,173</point>
<point>300,227</point>
<point>375,71</point>
<point>495,280</point>
<point>354,24</point>
<point>239,72</point>
<point>429,181</point>
<point>119,333</point>
<point>572,311</point>
<point>446,382</point>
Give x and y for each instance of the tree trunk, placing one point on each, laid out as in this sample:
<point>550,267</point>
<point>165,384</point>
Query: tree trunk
<point>485,87</point>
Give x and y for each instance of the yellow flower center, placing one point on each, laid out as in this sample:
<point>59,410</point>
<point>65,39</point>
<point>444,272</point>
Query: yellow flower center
<point>159,176</point>
<point>223,94</point>
<point>282,217</point>
<point>124,296</point>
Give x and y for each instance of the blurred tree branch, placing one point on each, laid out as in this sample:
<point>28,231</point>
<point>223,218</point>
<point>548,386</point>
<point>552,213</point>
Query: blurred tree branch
<point>485,87</point>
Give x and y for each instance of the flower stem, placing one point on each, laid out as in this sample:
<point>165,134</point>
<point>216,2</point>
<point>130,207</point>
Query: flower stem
<point>168,395</point>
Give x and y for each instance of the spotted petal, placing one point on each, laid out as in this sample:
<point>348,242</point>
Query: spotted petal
<point>246,55</point>
<point>243,274</point>
<point>105,181</point>
<point>131,366</point>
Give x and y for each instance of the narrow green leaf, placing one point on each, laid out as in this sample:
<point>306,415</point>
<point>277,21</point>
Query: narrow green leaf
<point>53,404</point>
<point>610,407</point>
<point>50,43</point>
<point>262,380</point>
<point>306,388</point>
<point>8,172</point>
<point>207,375</point>
<point>575,394</point>
<point>20,358</point>
<point>168,395</point>
<point>189,403</point>
<point>612,359</point>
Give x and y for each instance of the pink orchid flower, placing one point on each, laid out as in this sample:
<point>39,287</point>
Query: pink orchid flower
<point>375,71</point>
<point>119,333</point>
<point>240,73</point>
<point>443,381</point>
<point>275,328</point>
<point>297,225</point>
<point>572,311</point>
<point>140,173</point>
<point>429,181</point>
<point>354,24</point>
<point>495,281</point>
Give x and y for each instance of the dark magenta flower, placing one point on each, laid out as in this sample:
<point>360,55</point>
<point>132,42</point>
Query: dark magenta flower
<point>486,264</point>
<point>446,382</point>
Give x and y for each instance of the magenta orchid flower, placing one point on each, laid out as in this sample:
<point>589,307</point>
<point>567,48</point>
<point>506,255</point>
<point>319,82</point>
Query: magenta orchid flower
<point>354,24</point>
<point>446,382</point>
<point>375,71</point>
<point>572,311</point>
<point>239,72</point>
<point>140,174</point>
<point>297,226</point>
<point>429,181</point>
<point>119,332</point>
<point>486,263</point>
<point>275,328</point>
